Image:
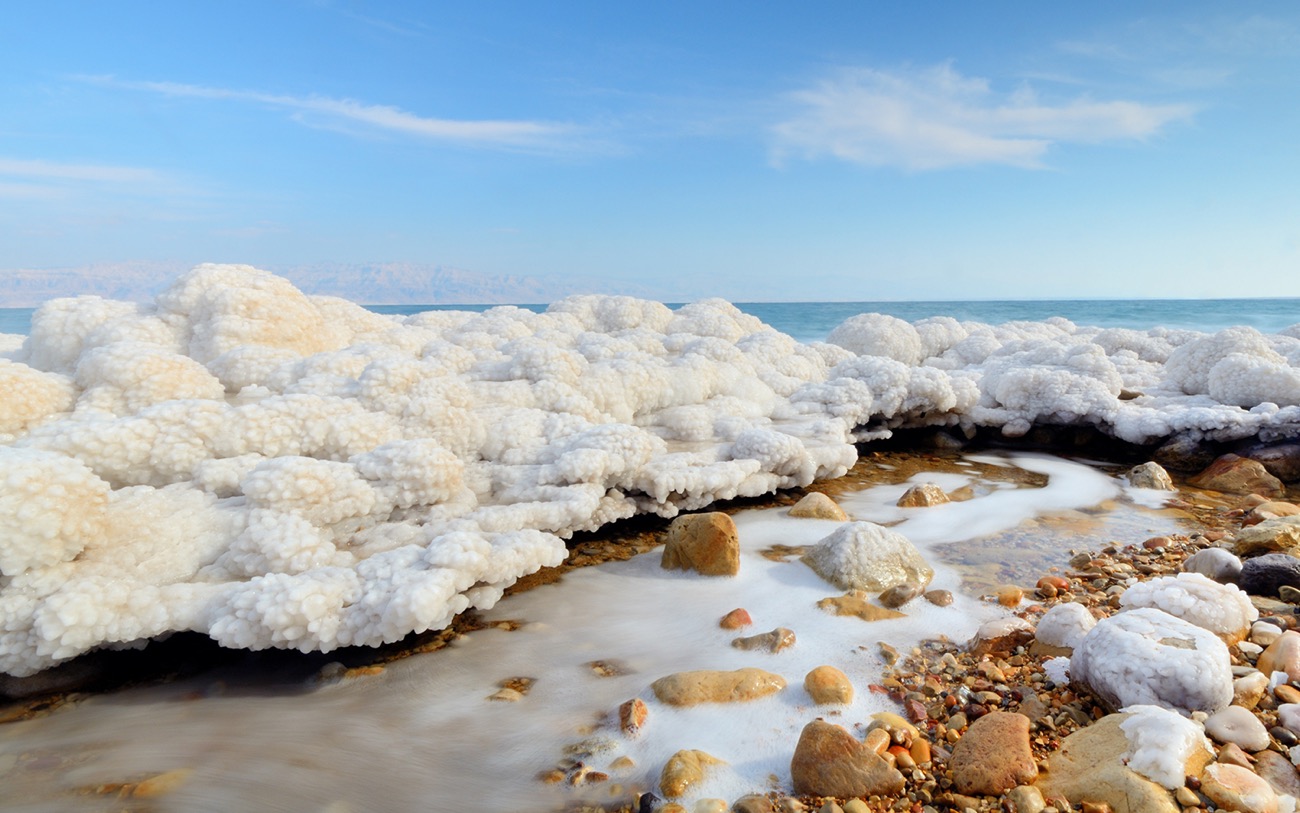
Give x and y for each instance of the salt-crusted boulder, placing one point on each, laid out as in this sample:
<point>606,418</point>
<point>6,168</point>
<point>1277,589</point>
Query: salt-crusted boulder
<point>1148,657</point>
<point>1064,625</point>
<point>1223,609</point>
<point>865,556</point>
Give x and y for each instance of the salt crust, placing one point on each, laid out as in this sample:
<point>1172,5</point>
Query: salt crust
<point>1160,743</point>
<point>1064,625</point>
<point>1220,608</point>
<point>302,460</point>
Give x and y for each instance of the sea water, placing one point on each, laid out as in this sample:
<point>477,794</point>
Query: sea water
<point>813,321</point>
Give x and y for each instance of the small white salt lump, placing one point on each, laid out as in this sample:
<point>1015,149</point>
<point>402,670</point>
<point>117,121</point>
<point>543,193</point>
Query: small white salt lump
<point>1264,633</point>
<point>1160,743</point>
<point>1239,726</point>
<point>1223,609</point>
<point>1065,625</point>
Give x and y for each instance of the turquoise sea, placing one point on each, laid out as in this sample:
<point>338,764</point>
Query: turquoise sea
<point>812,321</point>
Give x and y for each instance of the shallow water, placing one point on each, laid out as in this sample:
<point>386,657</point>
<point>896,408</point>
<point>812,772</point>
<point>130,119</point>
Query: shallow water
<point>422,735</point>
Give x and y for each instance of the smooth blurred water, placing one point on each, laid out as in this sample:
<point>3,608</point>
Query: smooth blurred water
<point>813,321</point>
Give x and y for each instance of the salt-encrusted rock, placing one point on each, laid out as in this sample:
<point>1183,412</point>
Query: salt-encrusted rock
<point>858,605</point>
<point>1091,766</point>
<point>898,595</point>
<point>1148,657</point>
<point>816,505</point>
<point>827,685</point>
<point>1232,787</point>
<point>632,716</point>
<point>1277,535</point>
<point>1232,474</point>
<point>1283,655</point>
<point>1266,575</point>
<point>1001,635</point>
<point>993,756</point>
<point>1238,726</point>
<point>774,641</point>
<point>922,495</point>
<point>1064,625</point>
<point>706,543</point>
<point>1161,744</point>
<point>1150,475</point>
<point>1278,772</point>
<point>736,619</point>
<point>705,686</point>
<point>1223,609</point>
<point>1214,563</point>
<point>1281,459</point>
<point>684,769</point>
<point>866,556</point>
<point>829,761</point>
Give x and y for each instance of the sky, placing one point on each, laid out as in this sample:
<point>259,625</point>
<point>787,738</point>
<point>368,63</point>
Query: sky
<point>752,150</point>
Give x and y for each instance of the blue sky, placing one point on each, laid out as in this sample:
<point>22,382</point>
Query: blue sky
<point>818,151</point>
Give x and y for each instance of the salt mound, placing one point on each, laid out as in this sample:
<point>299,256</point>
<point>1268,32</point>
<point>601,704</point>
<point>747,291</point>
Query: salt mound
<point>867,556</point>
<point>1223,609</point>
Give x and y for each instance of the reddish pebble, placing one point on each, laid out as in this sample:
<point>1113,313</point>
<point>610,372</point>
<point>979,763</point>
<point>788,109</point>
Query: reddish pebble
<point>736,619</point>
<point>1058,582</point>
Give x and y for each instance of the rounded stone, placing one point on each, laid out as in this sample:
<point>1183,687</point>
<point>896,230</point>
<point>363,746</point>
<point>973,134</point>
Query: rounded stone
<point>827,685</point>
<point>816,505</point>
<point>1238,726</point>
<point>994,755</point>
<point>706,543</point>
<point>1266,575</point>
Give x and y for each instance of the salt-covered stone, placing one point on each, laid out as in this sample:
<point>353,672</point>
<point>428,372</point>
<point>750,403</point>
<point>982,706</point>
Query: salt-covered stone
<point>866,556</point>
<point>1148,657</point>
<point>1220,608</point>
<point>829,761</point>
<point>816,505</point>
<point>706,543</point>
<point>1064,625</point>
<point>1218,564</point>
<point>1162,743</point>
<point>1238,726</point>
<point>994,756</point>
<point>1150,475</point>
<point>1232,787</point>
<point>922,495</point>
<point>706,686</point>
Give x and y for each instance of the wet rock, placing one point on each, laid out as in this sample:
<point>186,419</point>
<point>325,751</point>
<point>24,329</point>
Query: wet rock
<point>898,595</point>
<point>939,598</point>
<point>922,496</point>
<point>1283,655</point>
<point>866,556</point>
<point>1282,460</point>
<point>1278,772</point>
<point>706,686</point>
<point>1219,564</point>
<point>827,685</point>
<point>736,619</point>
<point>1025,799</point>
<point>1232,474</point>
<point>774,641</point>
<point>1248,690</point>
<point>632,716</point>
<point>994,756</point>
<point>1278,535</point>
<point>1266,575</point>
<point>816,505</point>
<point>1090,767</point>
<point>161,784</point>
<point>706,543</point>
<point>684,769</point>
<point>1001,636</point>
<point>711,806</point>
<point>1238,726</point>
<point>1150,475</point>
<point>1008,595</point>
<point>1264,633</point>
<point>1232,787</point>
<point>829,761</point>
<point>753,803</point>
<point>1185,452</point>
<point>857,604</point>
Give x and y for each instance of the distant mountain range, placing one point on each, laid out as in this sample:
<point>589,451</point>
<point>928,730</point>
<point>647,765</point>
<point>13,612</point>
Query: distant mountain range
<point>370,284</point>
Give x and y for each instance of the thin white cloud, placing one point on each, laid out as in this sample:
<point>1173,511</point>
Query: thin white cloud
<point>53,171</point>
<point>498,133</point>
<point>935,118</point>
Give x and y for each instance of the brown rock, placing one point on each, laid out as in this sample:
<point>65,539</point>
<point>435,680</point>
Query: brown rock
<point>939,598</point>
<point>1009,595</point>
<point>922,496</point>
<point>1278,772</point>
<point>1277,535</point>
<point>632,716</point>
<point>1283,655</point>
<point>829,761</point>
<point>1025,799</point>
<point>753,803</point>
<point>816,505</point>
<point>692,688</point>
<point>1233,787</point>
<point>774,641</point>
<point>993,756</point>
<point>857,604</point>
<point>1238,475</point>
<point>1270,510</point>
<point>736,619</point>
<point>827,685</point>
<point>684,769</point>
<point>705,543</point>
<point>898,595</point>
<point>1150,475</point>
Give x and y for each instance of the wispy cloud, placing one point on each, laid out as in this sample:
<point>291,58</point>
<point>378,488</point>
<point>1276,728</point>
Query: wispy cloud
<point>494,133</point>
<point>934,118</point>
<point>36,179</point>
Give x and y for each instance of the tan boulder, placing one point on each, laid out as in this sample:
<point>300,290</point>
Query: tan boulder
<point>994,756</point>
<point>1283,655</point>
<point>816,505</point>
<point>1270,510</point>
<point>922,496</point>
<point>1232,787</point>
<point>706,686</point>
<point>684,769</point>
<point>857,604</point>
<point>1150,475</point>
<point>706,543</point>
<point>829,761</point>
<point>827,685</point>
<point>1276,535</point>
<point>1232,474</point>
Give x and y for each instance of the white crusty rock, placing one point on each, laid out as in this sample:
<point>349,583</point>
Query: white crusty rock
<point>1161,743</point>
<point>1220,608</point>
<point>1064,625</point>
<point>866,556</point>
<point>1150,475</point>
<point>1148,657</point>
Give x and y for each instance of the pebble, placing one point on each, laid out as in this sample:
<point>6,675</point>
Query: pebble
<point>685,769</point>
<point>707,686</point>
<point>828,685</point>
<point>816,505</point>
<point>1010,596</point>
<point>994,755</point>
<point>1025,799</point>
<point>1283,655</point>
<point>775,641</point>
<point>829,761</point>
<point>736,619</point>
<point>939,598</point>
<point>1238,726</point>
<point>632,716</point>
<point>899,594</point>
<point>922,495</point>
<point>1264,633</point>
<point>1235,788</point>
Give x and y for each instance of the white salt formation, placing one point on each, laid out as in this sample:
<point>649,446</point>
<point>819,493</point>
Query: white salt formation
<point>1160,743</point>
<point>1064,625</point>
<point>1223,609</point>
<point>278,469</point>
